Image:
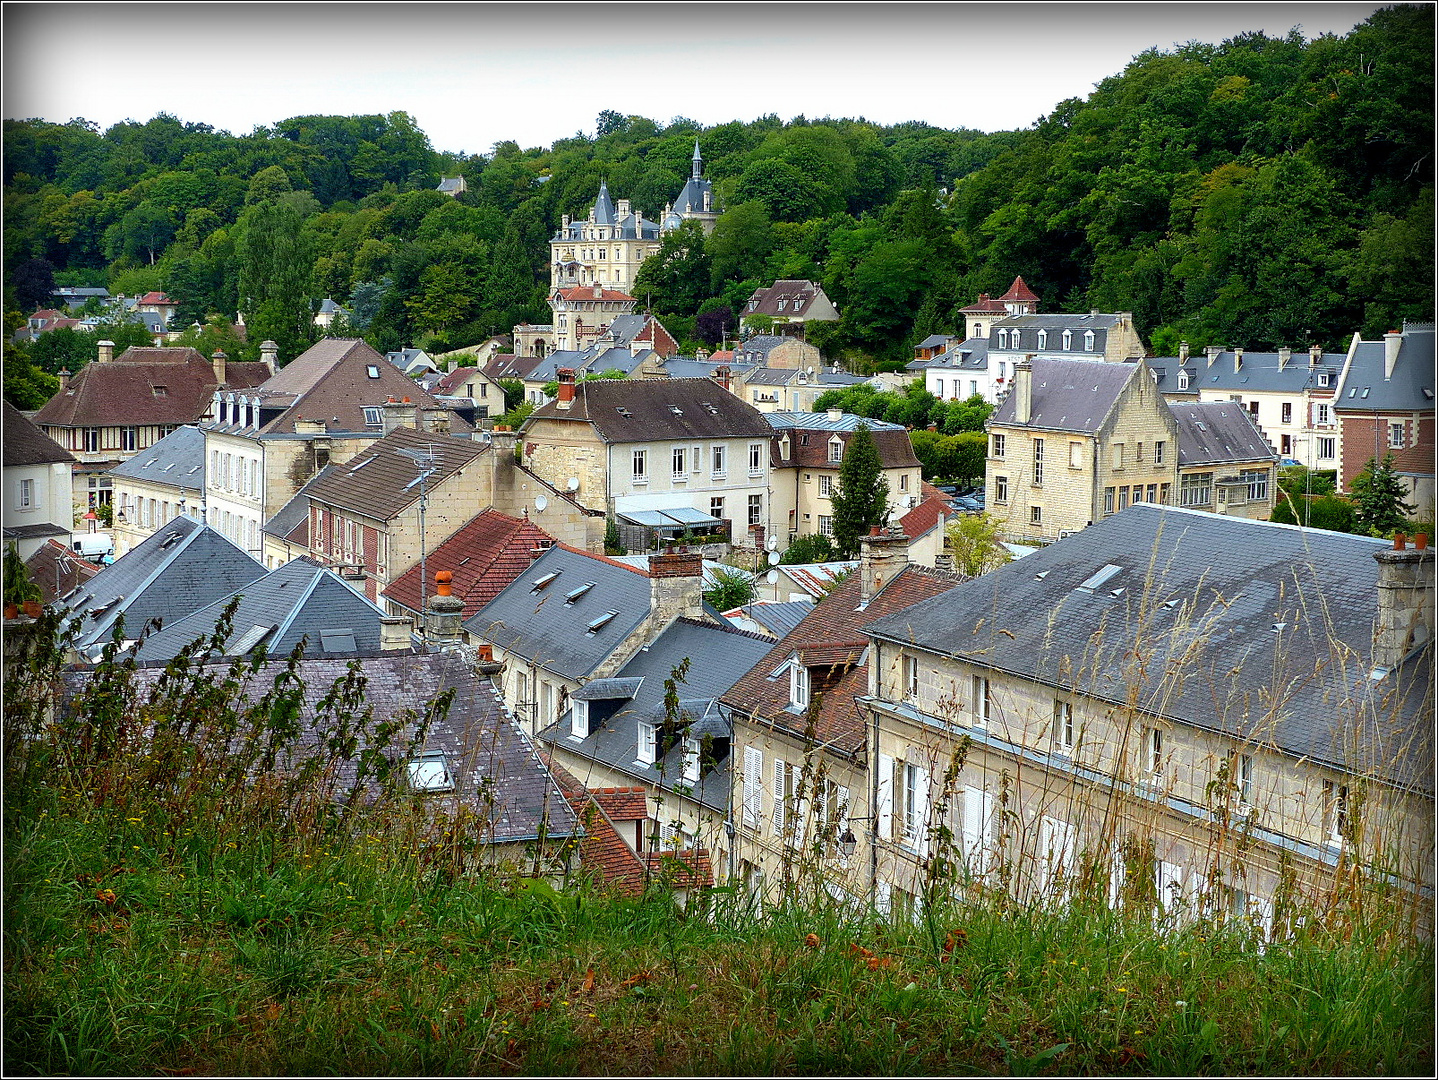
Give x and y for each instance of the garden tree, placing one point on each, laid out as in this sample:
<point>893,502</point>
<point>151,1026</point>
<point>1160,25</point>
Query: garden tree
<point>731,589</point>
<point>1378,497</point>
<point>676,277</point>
<point>274,282</point>
<point>813,548</point>
<point>450,284</point>
<point>973,540</point>
<point>1329,512</point>
<point>64,349</point>
<point>26,385</point>
<point>513,390</point>
<point>951,457</point>
<point>740,243</point>
<point>1314,483</point>
<point>861,498</point>
<point>715,322</point>
<point>34,285</point>
<point>216,333</point>
<point>970,414</point>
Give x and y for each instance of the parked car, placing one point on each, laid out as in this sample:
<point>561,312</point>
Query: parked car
<point>1290,463</point>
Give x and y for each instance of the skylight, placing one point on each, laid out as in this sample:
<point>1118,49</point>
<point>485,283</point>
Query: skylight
<point>575,594</point>
<point>170,541</point>
<point>598,624</point>
<point>430,772</point>
<point>1098,578</point>
<point>543,582</point>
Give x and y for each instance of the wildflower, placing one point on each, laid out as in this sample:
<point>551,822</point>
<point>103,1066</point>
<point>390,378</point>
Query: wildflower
<point>1121,989</point>
<point>1181,1004</point>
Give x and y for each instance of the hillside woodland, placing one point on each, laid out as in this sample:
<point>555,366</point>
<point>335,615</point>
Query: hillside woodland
<point>1261,192</point>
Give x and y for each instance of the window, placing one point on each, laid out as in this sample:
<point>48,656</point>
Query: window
<point>1183,380</point>
<point>1152,493</point>
<point>1003,339</point>
<point>1323,377</point>
<point>27,494</point>
<point>1257,481</point>
<point>1285,412</point>
<point>756,509</point>
<point>372,370</point>
<point>430,772</point>
<point>92,440</point>
<point>1000,442</point>
<point>1108,494</point>
<point>785,777</point>
<point>1243,779</point>
<point>1123,497</point>
<point>982,700</point>
<point>1043,339</point>
<point>716,507</point>
<point>696,459</point>
<point>938,388</point>
<point>1001,489</point>
<point>1196,489</point>
<point>1253,410</point>
<point>641,465</point>
<point>679,463</point>
<point>717,465</point>
<point>1038,461</point>
<point>798,684</point>
<point>646,744</point>
<point>1165,495</point>
<point>1138,453</point>
<point>1036,515</point>
<point>1322,415</point>
<point>826,485</point>
<point>1075,455</point>
<point>1160,451</point>
<point>756,458</point>
<point>127,438</point>
<point>908,791</point>
<point>1325,447</point>
<point>1063,727</point>
<point>691,760</point>
<point>1088,341</point>
<point>1118,455</point>
<point>1153,751</point>
<point>836,449</point>
<point>372,417</point>
<point>1396,434</point>
<point>1068,340</point>
<point>826,525</point>
<point>911,678</point>
<point>1335,811</point>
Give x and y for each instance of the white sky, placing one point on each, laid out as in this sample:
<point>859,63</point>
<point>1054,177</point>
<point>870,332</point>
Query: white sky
<point>474,74</point>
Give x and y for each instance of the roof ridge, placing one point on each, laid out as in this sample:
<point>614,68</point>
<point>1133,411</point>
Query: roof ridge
<point>602,558</point>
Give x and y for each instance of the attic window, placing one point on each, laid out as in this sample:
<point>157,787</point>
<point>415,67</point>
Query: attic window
<point>249,639</point>
<point>160,391</point>
<point>1171,604</point>
<point>1365,393</point>
<point>170,541</point>
<point>575,594</point>
<point>1428,392</point>
<point>430,772</point>
<point>598,624</point>
<point>1041,575</point>
<point>338,640</point>
<point>1098,578</point>
<point>372,370</point>
<point>543,582</point>
<point>373,417</point>
<point>97,612</point>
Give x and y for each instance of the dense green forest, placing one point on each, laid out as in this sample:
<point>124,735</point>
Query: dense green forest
<point>1260,192</point>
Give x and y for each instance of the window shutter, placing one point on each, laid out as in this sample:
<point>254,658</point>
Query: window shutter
<point>1116,875</point>
<point>753,784</point>
<point>886,797</point>
<point>801,816</point>
<point>843,823</point>
<point>1170,885</point>
<point>977,827</point>
<point>883,893</point>
<point>1313,414</point>
<point>778,797</point>
<point>921,813</point>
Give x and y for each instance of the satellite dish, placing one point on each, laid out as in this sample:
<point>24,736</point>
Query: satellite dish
<point>773,558</point>
<point>772,576</point>
<point>572,484</point>
<point>811,369</point>
<point>540,502</point>
<point>773,543</point>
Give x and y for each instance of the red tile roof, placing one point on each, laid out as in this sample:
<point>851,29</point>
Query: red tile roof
<point>1019,291</point>
<point>57,570</point>
<point>660,339</point>
<point>155,298</point>
<point>984,306</point>
<point>586,292</point>
<point>926,515</point>
<point>484,556</point>
<point>623,803</point>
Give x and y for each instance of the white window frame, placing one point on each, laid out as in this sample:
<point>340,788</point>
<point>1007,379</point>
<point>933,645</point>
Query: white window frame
<point>1153,751</point>
<point>1043,339</point>
<point>1088,341</point>
<point>1327,447</point>
<point>1063,726</point>
<point>678,464</point>
<point>646,744</point>
<point>641,466</point>
<point>1000,445</point>
<point>756,459</point>
<point>718,461</point>
<point>798,684</point>
<point>1397,435</point>
<point>1068,340</point>
<point>756,509</point>
<point>910,685</point>
<point>1038,462</point>
<point>1335,812</point>
<point>982,698</point>
<point>826,486</point>
<point>836,450</point>
<point>1001,489</point>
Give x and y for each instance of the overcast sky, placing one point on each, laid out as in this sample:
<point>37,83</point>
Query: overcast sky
<point>474,74</point>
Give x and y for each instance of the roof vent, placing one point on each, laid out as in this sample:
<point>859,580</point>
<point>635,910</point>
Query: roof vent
<point>597,624</point>
<point>170,541</point>
<point>1279,627</point>
<point>676,410</point>
<point>1041,575</point>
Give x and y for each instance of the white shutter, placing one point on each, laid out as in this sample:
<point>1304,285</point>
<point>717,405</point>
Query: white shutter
<point>778,796</point>
<point>883,893</point>
<point>1117,874</point>
<point>1056,846</point>
<point>842,825</point>
<point>977,828</point>
<point>753,785</point>
<point>921,813</point>
<point>801,815</point>
<point>1170,885</point>
<point>1313,414</point>
<point>886,797</point>
<point>1264,910</point>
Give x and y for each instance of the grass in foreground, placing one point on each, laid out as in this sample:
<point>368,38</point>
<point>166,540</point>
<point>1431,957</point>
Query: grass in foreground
<point>138,946</point>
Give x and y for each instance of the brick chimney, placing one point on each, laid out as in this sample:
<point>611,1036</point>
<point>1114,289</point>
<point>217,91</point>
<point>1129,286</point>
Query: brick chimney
<point>270,355</point>
<point>394,633</point>
<point>676,586</point>
<point>882,555</point>
<point>397,414</point>
<point>565,401</point>
<point>105,352</point>
<point>218,360</point>
<point>722,375</point>
<point>1405,600</point>
<point>1023,390</point>
<point>1392,342</point>
<point>445,612</point>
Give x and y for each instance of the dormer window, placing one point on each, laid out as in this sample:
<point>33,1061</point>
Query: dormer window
<point>579,719</point>
<point>1003,339</point>
<point>1068,340</point>
<point>1043,339</point>
<point>1183,380</point>
<point>1323,378</point>
<point>372,417</point>
<point>1088,341</point>
<point>646,745</point>
<point>798,684</point>
<point>836,450</point>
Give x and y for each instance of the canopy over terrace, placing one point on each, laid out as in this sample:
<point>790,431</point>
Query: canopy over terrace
<point>665,524</point>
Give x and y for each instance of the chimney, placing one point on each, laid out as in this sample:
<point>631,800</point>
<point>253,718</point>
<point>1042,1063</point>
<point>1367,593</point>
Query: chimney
<point>564,223</point>
<point>64,379</point>
<point>1023,390</point>
<point>676,585</point>
<point>621,209</point>
<point>835,415</point>
<point>1392,342</point>
<point>218,360</point>
<point>1237,360</point>
<point>435,419</point>
<point>1213,352</point>
<point>1182,351</point>
<point>397,414</point>
<point>106,352</point>
<point>598,291</point>
<point>1405,600</point>
<point>1284,355</point>
<point>394,633</point>
<point>1315,356</point>
<point>565,400</point>
<point>270,355</point>
<point>445,612</point>
<point>721,375</point>
<point>882,555</point>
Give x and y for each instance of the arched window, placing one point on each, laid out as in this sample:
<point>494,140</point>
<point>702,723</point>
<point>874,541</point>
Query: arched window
<point>1088,341</point>
<point>1068,340</point>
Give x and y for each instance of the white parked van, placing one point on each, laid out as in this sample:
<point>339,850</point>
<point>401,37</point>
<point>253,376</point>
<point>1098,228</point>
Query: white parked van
<point>92,546</point>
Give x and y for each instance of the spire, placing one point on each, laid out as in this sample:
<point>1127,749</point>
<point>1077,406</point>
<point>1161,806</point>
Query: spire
<point>603,206</point>
<point>698,161</point>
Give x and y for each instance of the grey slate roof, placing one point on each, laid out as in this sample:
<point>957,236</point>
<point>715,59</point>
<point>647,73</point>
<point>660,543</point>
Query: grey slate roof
<point>1213,659</point>
<point>971,354</point>
<point>1071,395</point>
<point>1260,371</point>
<point>177,460</point>
<point>495,767</point>
<point>718,657</point>
<point>1218,433</point>
<point>291,603</point>
<point>643,410</point>
<point>821,421</point>
<point>180,568</point>
<point>778,618</point>
<point>543,627</point>
<point>1363,388</point>
<point>686,367</point>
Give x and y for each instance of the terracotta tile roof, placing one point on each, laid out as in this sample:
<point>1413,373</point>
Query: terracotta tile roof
<point>660,339</point>
<point>681,869</point>
<point>26,444</point>
<point>154,298</point>
<point>144,386</point>
<point>984,306</point>
<point>835,620</point>
<point>375,482</point>
<point>1019,291</point>
<point>644,410</point>
<point>926,515</point>
<point>721,354</point>
<point>766,301</point>
<point>586,292</point>
<point>57,570</point>
<point>896,451</point>
<point>623,803</point>
<point>484,556</point>
<point>452,381</point>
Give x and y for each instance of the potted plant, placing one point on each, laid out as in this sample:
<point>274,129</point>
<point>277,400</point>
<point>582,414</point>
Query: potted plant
<point>20,588</point>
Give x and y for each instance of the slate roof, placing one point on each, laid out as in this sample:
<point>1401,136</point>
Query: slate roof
<point>495,767</point>
<point>778,618</point>
<point>971,354</point>
<point>1259,371</point>
<point>1363,387</point>
<point>1023,332</point>
<point>686,367</point>
<point>595,359</point>
<point>509,366</point>
<point>178,569</point>
<point>484,556</point>
<point>26,444</point>
<point>376,481</point>
<point>1218,433</point>
<point>1213,659</point>
<point>706,411</point>
<point>799,297</point>
<point>832,636</point>
<point>757,348</point>
<point>541,626</point>
<point>291,603</point>
<point>718,656</point>
<point>177,460</point>
<point>143,386</point>
<point>1070,395</point>
<point>57,570</point>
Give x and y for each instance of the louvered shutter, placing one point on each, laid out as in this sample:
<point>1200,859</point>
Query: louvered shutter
<point>886,797</point>
<point>753,785</point>
<point>842,825</point>
<point>978,828</point>
<point>779,797</point>
<point>1170,885</point>
<point>1117,874</point>
<point>921,813</point>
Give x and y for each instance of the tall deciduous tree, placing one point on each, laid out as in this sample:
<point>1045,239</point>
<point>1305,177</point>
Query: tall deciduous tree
<point>861,499</point>
<point>677,275</point>
<point>973,540</point>
<point>275,274</point>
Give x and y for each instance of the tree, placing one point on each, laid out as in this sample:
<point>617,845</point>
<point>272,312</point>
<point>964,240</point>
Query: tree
<point>1378,494</point>
<point>814,548</point>
<point>275,274</point>
<point>714,325</point>
<point>677,275</point>
<point>34,284</point>
<point>731,589</point>
<point>26,385</point>
<point>861,499</point>
<point>973,539</point>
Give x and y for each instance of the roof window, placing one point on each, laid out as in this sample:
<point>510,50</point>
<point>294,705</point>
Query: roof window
<point>160,391</point>
<point>544,581</point>
<point>372,370</point>
<point>574,594</point>
<point>340,639</point>
<point>170,541</point>
<point>1098,578</point>
<point>598,624</point>
<point>430,772</point>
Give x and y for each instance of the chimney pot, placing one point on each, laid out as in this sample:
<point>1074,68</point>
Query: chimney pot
<point>1400,542</point>
<point>1420,542</point>
<point>443,583</point>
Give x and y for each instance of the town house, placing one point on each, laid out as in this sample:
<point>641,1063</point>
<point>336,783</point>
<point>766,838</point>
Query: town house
<point>158,485</point>
<point>37,486</point>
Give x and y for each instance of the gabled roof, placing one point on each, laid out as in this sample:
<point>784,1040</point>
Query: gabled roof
<point>143,386</point>
<point>644,410</point>
<point>26,444</point>
<point>297,601</point>
<point>971,354</point>
<point>1218,433</point>
<point>378,482</point>
<point>497,773</point>
<point>815,578</point>
<point>777,617</point>
<point>1254,629</point>
<point>932,512</point>
<point>1070,395</point>
<point>535,618</point>
<point>177,460</point>
<point>57,570</point>
<point>1364,387</point>
<point>797,295</point>
<point>484,556</point>
<point>509,366</point>
<point>829,634</point>
<point>895,449</point>
<point>985,306</point>
<point>180,568</point>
